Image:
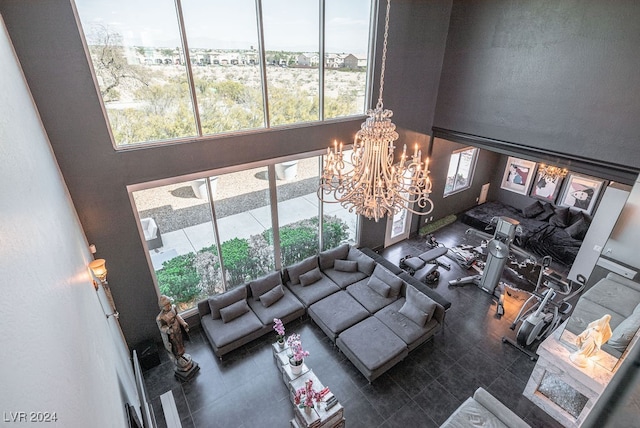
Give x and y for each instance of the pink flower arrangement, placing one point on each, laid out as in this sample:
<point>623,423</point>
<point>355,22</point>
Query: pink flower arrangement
<point>307,396</point>
<point>295,344</point>
<point>279,328</point>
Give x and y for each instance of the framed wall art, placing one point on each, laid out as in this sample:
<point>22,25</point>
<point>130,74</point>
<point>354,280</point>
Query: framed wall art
<point>580,192</point>
<point>546,187</point>
<point>518,175</point>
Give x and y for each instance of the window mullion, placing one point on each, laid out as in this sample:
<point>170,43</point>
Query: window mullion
<point>263,65</point>
<point>216,235</point>
<point>187,58</point>
<point>321,66</point>
<point>275,221</point>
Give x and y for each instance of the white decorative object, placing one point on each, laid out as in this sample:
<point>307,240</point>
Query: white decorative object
<point>591,340</point>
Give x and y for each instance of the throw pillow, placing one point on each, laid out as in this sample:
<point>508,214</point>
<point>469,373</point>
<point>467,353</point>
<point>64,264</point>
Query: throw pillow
<point>264,284</point>
<point>272,296</point>
<point>299,268</point>
<point>533,210</point>
<point>328,257</point>
<point>624,332</point>
<point>311,277</point>
<point>379,286</point>
<point>388,278</point>
<point>234,310</point>
<point>414,314</point>
<point>578,229</point>
<point>560,217</point>
<point>345,265</point>
<point>225,299</point>
<point>421,301</point>
<point>365,263</point>
<point>546,214</point>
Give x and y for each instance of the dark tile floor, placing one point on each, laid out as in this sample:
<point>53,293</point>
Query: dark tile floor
<point>245,388</point>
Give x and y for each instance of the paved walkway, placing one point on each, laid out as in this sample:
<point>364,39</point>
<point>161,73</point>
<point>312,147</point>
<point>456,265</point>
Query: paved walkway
<point>243,225</point>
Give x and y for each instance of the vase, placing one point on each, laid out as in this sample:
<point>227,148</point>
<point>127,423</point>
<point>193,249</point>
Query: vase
<point>281,343</point>
<point>296,366</point>
<point>308,409</point>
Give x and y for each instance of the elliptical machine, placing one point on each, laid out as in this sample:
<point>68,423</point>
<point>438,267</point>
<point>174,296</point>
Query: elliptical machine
<point>545,315</point>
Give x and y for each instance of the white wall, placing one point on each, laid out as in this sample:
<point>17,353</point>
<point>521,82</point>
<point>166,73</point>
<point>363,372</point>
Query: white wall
<point>58,351</point>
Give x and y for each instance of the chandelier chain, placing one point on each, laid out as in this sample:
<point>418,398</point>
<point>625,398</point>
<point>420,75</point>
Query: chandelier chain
<point>371,182</point>
<point>384,54</point>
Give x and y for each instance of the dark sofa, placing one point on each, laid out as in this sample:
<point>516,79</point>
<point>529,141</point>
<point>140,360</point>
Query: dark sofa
<point>546,230</point>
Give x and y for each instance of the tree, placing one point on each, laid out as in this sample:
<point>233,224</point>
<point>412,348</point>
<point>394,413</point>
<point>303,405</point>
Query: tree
<point>110,63</point>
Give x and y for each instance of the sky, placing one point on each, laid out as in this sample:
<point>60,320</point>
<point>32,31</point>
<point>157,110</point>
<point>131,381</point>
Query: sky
<point>289,25</point>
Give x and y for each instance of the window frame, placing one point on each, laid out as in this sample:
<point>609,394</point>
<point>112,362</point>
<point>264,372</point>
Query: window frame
<point>472,170</point>
<point>275,220</point>
<point>368,89</point>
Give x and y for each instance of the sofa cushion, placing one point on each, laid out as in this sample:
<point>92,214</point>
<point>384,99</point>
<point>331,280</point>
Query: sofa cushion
<point>365,263</point>
<point>421,301</point>
<point>310,295</point>
<point>222,334</point>
<point>578,229</point>
<point>587,311</point>
<point>327,257</point>
<point>344,279</point>
<point>368,298</point>
<point>615,296</point>
<point>414,314</point>
<point>336,313</point>
<point>225,299</point>
<point>546,213</point>
<point>311,277</point>
<point>287,307</point>
<point>300,268</point>
<point>533,209</point>
<point>483,409</point>
<point>560,217</point>
<point>410,332</point>
<point>624,332</point>
<point>272,296</point>
<point>262,285</point>
<point>372,343</point>
<point>390,279</point>
<point>234,310</point>
<point>345,265</point>
<point>379,286</point>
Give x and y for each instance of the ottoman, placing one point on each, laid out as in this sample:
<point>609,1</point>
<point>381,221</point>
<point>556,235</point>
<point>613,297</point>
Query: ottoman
<point>372,347</point>
<point>336,313</point>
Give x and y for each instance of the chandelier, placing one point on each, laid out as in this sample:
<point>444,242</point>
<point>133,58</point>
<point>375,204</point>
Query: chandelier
<point>553,172</point>
<point>370,184</point>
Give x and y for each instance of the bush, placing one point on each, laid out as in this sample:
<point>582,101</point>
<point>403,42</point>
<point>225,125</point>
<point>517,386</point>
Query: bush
<point>299,240</point>
<point>190,276</point>
<point>334,233</point>
<point>240,260</point>
<point>178,279</point>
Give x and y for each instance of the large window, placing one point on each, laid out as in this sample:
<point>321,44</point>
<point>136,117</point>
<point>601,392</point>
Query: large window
<point>210,234</point>
<point>460,173</point>
<point>178,69</point>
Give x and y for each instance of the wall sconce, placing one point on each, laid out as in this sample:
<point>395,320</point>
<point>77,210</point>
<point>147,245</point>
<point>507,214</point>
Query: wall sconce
<point>99,269</point>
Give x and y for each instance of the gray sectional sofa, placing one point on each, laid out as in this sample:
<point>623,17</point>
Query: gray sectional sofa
<point>483,409</point>
<point>358,299</point>
<point>614,295</point>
